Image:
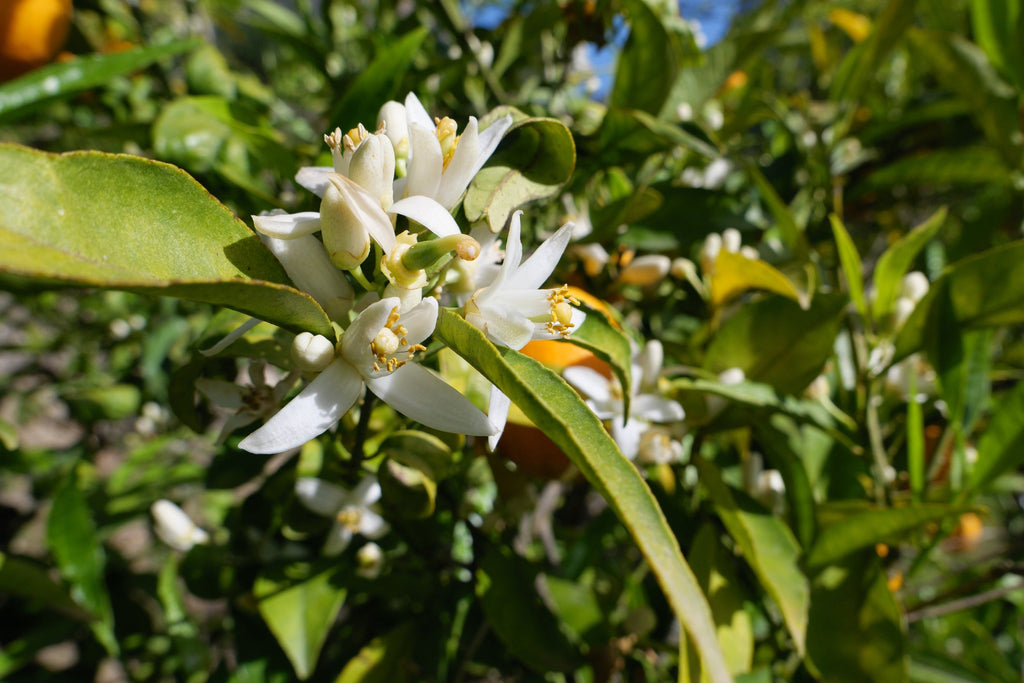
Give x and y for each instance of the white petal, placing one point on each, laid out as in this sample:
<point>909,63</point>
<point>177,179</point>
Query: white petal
<point>656,408</point>
<point>426,162</point>
<point>428,213</point>
<point>289,225</point>
<point>306,261</point>
<point>627,436</point>
<point>419,394</point>
<point>415,112</point>
<point>541,264</point>
<point>175,527</point>
<point>355,342</point>
<point>651,359</point>
<point>314,178</point>
<point>372,525</point>
<point>368,209</point>
<point>513,254</point>
<point>462,167</point>
<point>337,540</point>
<point>589,382</point>
<point>319,496</point>
<point>504,326</point>
<point>224,394</point>
<point>497,413</point>
<point>366,492</point>
<point>315,410</point>
<point>420,321</point>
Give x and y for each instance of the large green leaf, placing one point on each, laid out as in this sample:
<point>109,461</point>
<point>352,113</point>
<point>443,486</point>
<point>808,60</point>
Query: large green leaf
<point>865,527</point>
<point>776,342</point>
<point>535,159</point>
<point>506,587</point>
<point>637,131</point>
<point>71,537</point>
<point>850,261</point>
<point>299,606</point>
<point>984,290</point>
<point>896,261</point>
<point>862,63</point>
<point>998,28</point>
<point>767,545</point>
<point>122,222</point>
<point>384,659</point>
<point>558,411</point>
<point>22,577</point>
<point>855,632</point>
<point>964,166</point>
<point>64,79</point>
<point>735,274</point>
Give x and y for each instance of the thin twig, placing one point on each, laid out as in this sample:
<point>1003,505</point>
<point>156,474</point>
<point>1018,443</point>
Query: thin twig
<point>962,603</point>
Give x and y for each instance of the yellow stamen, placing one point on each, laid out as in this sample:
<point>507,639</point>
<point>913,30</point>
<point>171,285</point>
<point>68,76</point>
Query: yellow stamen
<point>561,311</point>
<point>446,135</point>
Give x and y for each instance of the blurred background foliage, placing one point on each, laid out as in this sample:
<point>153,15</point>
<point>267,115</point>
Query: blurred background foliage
<point>894,549</point>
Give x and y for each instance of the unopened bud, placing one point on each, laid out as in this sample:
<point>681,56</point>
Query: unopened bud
<point>646,270</point>
<point>175,527</point>
<point>373,168</point>
<point>370,561</point>
<point>312,352</point>
<point>342,223</point>
<point>732,376</point>
<point>915,286</point>
<point>593,257</point>
<point>392,118</point>
<point>749,252</point>
<point>732,240</point>
<point>709,251</point>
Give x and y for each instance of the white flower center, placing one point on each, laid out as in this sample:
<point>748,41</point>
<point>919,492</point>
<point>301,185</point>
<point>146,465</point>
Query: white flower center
<point>351,518</point>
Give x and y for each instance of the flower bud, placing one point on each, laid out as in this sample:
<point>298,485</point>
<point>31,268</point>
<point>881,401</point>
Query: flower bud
<point>901,311</point>
<point>709,251</point>
<point>392,118</point>
<point>651,359</point>
<point>312,352</point>
<point>341,223</point>
<point>749,252</point>
<point>915,286</point>
<point>369,561</point>
<point>593,257</point>
<point>646,270</point>
<point>732,240</point>
<point>732,376</point>
<point>175,528</point>
<point>373,168</point>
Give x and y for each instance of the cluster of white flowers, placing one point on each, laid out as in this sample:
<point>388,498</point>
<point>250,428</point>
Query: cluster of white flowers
<point>419,168</point>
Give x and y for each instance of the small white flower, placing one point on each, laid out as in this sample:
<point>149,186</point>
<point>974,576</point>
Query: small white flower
<point>375,352</point>
<point>249,403</point>
<point>175,527</point>
<point>352,511</point>
<point>605,398</point>
<point>441,164</point>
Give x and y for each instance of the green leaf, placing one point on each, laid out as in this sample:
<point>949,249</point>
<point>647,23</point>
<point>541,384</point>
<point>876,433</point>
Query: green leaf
<point>767,545</point>
<point>122,222</point>
<point>380,81</point>
<point>71,537</point>
<point>8,435</point>
<point>578,607</point>
<point>384,659</point>
<point>867,526</point>
<point>855,632</point>
<point>984,290</point>
<point>641,133</point>
<point>785,447</point>
<point>1001,447</point>
<point>897,260</point>
<point>962,67</point>
<point>24,578</point>
<point>862,63</point>
<point>535,159</point>
<point>610,344</point>
<point>648,63</point>
<point>849,259</point>
<point>789,230</point>
<point>734,274</point>
<point>967,166</point>
<point>559,412</point>
<point>998,27</point>
<point>776,342</point>
<point>506,589</point>
<point>300,606</point>
<point>64,79</point>
<point>716,572</point>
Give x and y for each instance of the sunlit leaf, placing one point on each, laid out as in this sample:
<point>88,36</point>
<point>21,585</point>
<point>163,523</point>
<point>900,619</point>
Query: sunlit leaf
<point>849,259</point>
<point>734,274</point>
<point>300,607</point>
<point>101,220</point>
<point>383,659</point>
<point>896,261</point>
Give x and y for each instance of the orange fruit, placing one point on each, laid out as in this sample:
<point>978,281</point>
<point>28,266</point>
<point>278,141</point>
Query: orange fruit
<point>31,33</point>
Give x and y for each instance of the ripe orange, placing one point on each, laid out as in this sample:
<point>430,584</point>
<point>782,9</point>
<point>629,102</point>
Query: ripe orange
<point>31,33</point>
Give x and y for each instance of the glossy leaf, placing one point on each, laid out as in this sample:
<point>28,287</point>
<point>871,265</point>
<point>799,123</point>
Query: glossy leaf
<point>72,538</point>
<point>506,589</point>
<point>998,28</point>
<point>776,342</point>
<point>100,220</point>
<point>850,261</point>
<point>64,79</point>
<point>649,61</point>
<point>767,545</point>
<point>868,643</point>
<point>984,290</point>
<point>24,578</point>
<point>897,260</point>
<point>868,526</point>
<point>641,133</point>
<point>734,274</point>
<point>299,607</point>
<point>969,166</point>
<point>558,411</point>
<point>862,63</point>
<point>534,160</point>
